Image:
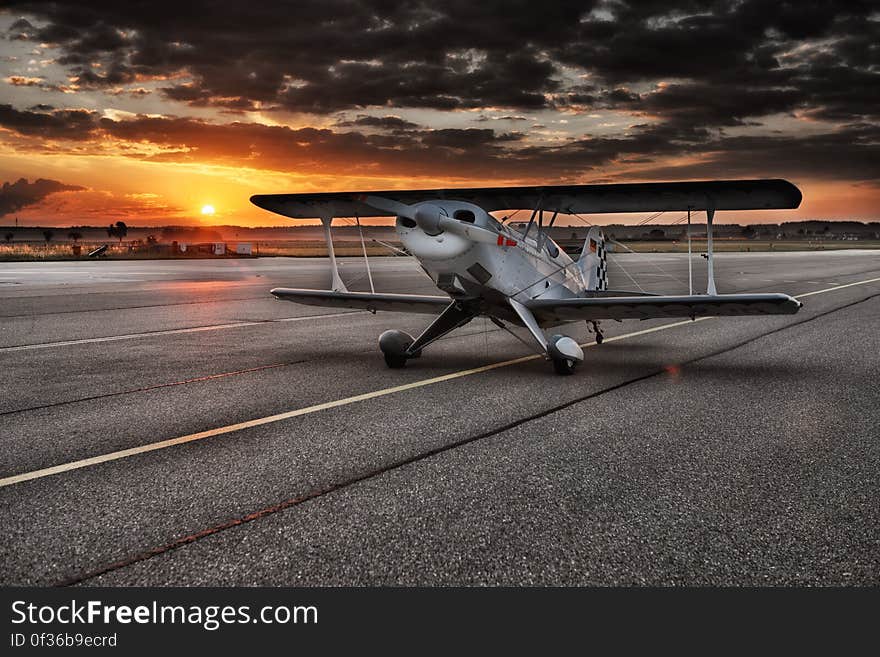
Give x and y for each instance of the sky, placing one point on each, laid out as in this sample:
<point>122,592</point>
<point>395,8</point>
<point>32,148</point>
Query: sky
<point>148,111</point>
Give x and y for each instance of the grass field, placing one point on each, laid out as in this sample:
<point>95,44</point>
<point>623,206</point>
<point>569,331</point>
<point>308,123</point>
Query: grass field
<point>304,249</point>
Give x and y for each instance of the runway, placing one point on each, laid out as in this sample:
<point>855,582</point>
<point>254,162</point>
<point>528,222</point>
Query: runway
<point>169,423</point>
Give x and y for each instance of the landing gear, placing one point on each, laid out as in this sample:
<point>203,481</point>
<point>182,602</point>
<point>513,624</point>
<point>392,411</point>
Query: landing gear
<point>395,347</point>
<point>565,353</point>
<point>398,347</point>
<point>600,337</point>
<point>561,349</point>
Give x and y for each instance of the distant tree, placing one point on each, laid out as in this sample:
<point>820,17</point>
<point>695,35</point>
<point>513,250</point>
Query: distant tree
<point>8,237</point>
<point>151,239</point>
<point>75,235</point>
<point>118,230</point>
<point>657,234</point>
<point>48,235</point>
<point>749,232</point>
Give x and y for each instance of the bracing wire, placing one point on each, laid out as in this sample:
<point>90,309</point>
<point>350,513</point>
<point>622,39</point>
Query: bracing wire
<point>655,265</point>
<point>650,219</point>
<point>366,259</point>
<point>635,282</point>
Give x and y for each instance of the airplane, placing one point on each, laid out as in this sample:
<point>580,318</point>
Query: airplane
<point>517,275</point>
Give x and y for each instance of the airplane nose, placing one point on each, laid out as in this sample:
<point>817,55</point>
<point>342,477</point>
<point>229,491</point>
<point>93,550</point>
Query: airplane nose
<point>428,218</point>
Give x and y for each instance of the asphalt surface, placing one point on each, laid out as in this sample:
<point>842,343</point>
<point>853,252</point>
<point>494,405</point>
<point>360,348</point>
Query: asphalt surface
<point>725,451</point>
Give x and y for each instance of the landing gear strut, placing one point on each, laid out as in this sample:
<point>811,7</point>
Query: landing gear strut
<point>600,337</point>
<point>398,347</point>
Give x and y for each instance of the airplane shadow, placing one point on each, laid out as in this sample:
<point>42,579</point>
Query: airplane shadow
<point>632,359</point>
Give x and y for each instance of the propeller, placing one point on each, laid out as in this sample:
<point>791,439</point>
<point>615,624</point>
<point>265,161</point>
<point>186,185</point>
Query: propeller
<point>433,220</point>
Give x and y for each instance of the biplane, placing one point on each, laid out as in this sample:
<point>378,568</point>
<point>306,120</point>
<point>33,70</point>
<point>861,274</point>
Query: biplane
<point>515,274</point>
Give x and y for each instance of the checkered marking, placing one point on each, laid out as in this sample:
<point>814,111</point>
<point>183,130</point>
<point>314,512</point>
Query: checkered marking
<point>601,268</point>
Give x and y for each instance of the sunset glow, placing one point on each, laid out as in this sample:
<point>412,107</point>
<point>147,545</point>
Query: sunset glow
<point>126,117</point>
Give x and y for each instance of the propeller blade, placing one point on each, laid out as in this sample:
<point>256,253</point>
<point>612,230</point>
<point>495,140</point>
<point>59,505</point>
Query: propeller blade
<point>388,205</point>
<point>471,232</point>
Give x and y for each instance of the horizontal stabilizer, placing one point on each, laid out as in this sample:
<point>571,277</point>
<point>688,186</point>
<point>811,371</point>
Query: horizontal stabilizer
<point>766,194</point>
<point>405,303</point>
<point>651,307</point>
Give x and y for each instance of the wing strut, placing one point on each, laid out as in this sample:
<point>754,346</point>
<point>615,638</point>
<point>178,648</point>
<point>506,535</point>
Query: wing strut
<point>336,282</point>
<point>532,218</point>
<point>710,286</point>
<point>690,259</point>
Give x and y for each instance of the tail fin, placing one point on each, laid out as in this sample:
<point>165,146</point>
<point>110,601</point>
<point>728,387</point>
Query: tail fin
<point>593,260</point>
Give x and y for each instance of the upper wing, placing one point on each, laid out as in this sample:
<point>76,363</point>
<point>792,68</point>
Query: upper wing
<point>408,303</point>
<point>650,307</point>
<point>567,199</point>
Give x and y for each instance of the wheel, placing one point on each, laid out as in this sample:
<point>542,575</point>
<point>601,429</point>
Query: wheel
<point>564,366</point>
<point>394,346</point>
<point>394,361</point>
<point>600,338</point>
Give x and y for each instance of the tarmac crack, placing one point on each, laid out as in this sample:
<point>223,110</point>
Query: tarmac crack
<point>401,463</point>
<point>157,386</point>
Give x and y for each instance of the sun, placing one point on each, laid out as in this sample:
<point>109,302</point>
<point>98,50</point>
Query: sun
<point>207,210</point>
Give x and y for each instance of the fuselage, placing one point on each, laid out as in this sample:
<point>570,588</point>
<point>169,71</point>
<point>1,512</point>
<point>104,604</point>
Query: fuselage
<point>521,267</point>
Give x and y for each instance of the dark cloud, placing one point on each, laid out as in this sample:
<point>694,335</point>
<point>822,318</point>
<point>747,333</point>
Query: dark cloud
<point>317,56</point>
<point>187,93</point>
<point>732,62</point>
<point>20,194</point>
<point>78,124</point>
<point>717,106</point>
<point>509,117</point>
<point>466,138</point>
<point>725,63</point>
<point>379,122</point>
<point>21,25</point>
<point>849,153</point>
<point>728,62</point>
<point>20,30</point>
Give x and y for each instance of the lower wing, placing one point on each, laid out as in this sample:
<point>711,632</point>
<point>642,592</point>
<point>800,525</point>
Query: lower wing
<point>650,307</point>
<point>406,303</point>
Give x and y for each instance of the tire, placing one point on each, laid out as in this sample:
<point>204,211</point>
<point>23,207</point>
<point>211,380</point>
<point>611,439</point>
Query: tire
<point>600,338</point>
<point>394,361</point>
<point>564,366</point>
